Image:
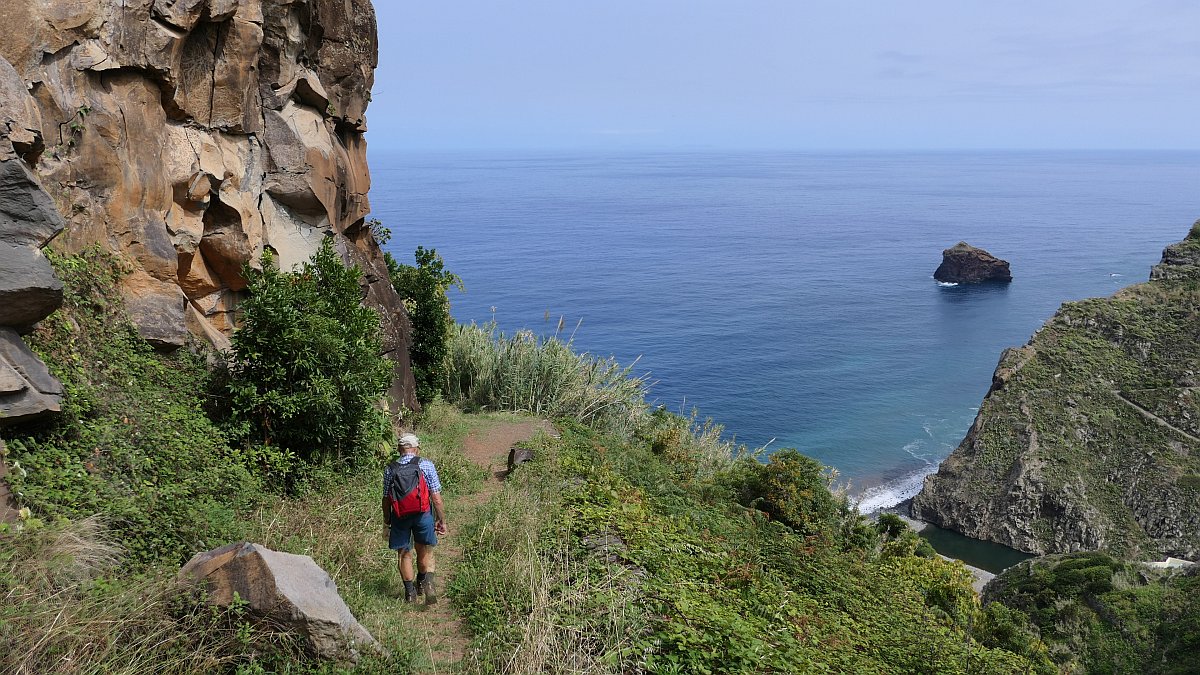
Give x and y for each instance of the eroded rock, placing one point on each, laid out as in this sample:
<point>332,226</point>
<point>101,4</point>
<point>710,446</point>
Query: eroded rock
<point>966,264</point>
<point>286,589</point>
<point>1181,260</point>
<point>27,389</point>
<point>188,136</point>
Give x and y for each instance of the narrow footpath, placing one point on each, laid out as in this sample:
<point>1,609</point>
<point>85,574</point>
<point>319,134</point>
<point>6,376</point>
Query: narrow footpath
<point>447,636</point>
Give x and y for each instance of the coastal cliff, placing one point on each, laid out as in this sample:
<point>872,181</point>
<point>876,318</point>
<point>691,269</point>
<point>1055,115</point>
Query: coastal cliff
<point>188,137</point>
<point>1090,435</point>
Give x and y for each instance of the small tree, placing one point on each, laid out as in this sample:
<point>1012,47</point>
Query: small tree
<point>423,289</point>
<point>306,373</point>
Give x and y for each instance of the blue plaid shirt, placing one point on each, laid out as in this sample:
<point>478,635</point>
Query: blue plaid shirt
<point>427,468</point>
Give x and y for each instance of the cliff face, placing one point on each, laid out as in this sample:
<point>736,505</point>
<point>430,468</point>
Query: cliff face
<point>190,135</point>
<point>1090,435</point>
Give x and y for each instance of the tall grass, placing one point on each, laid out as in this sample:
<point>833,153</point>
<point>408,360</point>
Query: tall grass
<point>536,603</point>
<point>488,370</point>
<point>61,612</point>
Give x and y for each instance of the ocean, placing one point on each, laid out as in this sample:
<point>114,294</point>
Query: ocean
<point>789,296</point>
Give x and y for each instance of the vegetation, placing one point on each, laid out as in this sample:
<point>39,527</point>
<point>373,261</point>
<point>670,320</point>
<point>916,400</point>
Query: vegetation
<point>133,442</point>
<point>423,288</point>
<point>1101,390</point>
<point>68,609</point>
<point>639,541</point>
<point>487,370</point>
<point>602,557</point>
<point>1102,615</point>
<point>307,373</point>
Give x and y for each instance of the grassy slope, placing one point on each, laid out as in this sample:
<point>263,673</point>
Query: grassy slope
<point>1104,616</point>
<point>603,557</point>
<point>1092,383</point>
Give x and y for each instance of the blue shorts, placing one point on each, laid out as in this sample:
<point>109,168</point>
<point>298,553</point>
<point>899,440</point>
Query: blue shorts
<point>421,527</point>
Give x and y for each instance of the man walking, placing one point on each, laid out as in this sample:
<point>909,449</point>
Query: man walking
<point>422,526</point>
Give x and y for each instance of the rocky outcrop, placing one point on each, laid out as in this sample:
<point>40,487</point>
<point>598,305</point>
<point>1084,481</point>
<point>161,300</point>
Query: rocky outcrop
<point>189,137</point>
<point>1182,260</point>
<point>965,264</point>
<point>29,291</point>
<point>1090,435</point>
<point>287,590</point>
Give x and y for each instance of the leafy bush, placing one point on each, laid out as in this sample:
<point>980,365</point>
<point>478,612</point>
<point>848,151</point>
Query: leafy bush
<point>793,489</point>
<point>306,375</point>
<point>423,289</point>
<point>132,443</point>
<point>1099,614</point>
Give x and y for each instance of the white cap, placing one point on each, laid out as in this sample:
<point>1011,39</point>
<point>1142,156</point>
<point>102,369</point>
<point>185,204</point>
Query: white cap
<point>409,441</point>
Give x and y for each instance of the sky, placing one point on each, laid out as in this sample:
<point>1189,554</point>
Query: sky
<point>786,74</point>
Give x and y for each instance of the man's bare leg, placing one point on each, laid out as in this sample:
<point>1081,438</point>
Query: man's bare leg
<point>427,566</point>
<point>404,563</point>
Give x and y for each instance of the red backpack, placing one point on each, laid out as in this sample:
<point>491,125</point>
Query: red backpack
<point>407,492</point>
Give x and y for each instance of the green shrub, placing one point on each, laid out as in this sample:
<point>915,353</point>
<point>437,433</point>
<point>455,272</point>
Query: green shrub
<point>1098,614</point>
<point>132,443</point>
<point>423,289</point>
<point>793,489</point>
<point>891,525</point>
<point>681,579</point>
<point>307,374</point>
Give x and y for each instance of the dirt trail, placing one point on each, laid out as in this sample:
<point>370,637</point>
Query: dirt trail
<point>447,635</point>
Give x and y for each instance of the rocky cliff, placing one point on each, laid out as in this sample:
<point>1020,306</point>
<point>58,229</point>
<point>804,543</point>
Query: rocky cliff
<point>188,136</point>
<point>1090,435</point>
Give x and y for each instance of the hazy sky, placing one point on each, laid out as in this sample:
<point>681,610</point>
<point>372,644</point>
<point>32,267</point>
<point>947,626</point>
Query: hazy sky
<point>881,74</point>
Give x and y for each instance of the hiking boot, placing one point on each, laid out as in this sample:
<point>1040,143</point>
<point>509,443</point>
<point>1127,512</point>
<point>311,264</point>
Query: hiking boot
<point>428,589</point>
<point>410,596</point>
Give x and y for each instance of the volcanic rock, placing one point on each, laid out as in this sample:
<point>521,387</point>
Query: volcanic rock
<point>27,389</point>
<point>965,264</point>
<point>189,137</point>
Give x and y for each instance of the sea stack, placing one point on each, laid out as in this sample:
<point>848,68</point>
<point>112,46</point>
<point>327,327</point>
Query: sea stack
<point>965,264</point>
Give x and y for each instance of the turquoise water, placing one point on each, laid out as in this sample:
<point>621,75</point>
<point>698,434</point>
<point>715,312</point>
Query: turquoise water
<point>985,555</point>
<point>789,296</point>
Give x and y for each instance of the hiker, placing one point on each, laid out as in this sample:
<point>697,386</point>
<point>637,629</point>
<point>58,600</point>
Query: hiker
<point>417,496</point>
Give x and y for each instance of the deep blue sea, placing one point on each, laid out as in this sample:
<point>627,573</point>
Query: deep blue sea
<point>789,296</point>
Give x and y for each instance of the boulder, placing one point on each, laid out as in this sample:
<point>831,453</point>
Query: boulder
<point>29,291</point>
<point>27,389</point>
<point>284,589</point>
<point>27,214</point>
<point>518,455</point>
<point>965,264</point>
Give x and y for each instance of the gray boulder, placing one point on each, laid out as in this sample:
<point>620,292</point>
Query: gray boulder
<point>27,389</point>
<point>29,291</point>
<point>286,589</point>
